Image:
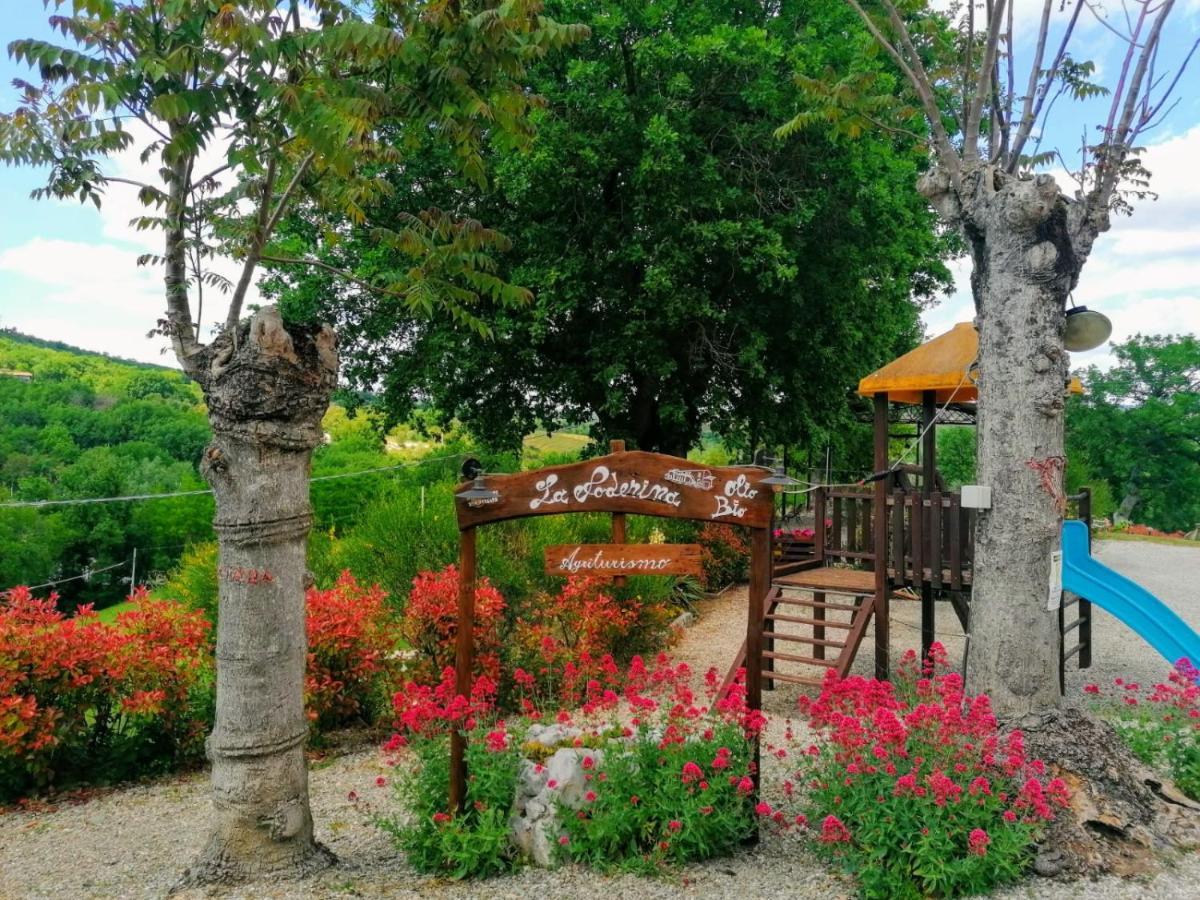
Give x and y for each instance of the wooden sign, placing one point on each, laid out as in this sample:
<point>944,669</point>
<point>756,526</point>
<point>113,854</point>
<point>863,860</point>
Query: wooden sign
<point>647,484</point>
<point>623,559</point>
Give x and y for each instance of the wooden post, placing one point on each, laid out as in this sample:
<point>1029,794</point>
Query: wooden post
<point>929,470</point>
<point>1085,606</point>
<point>464,663</point>
<point>618,519</point>
<point>760,583</point>
<point>882,630</point>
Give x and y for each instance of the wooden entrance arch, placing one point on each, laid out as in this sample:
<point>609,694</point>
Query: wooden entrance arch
<point>621,483</point>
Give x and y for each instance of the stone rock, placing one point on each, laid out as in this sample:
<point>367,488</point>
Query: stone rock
<point>534,819</point>
<point>551,735</point>
<point>684,620</point>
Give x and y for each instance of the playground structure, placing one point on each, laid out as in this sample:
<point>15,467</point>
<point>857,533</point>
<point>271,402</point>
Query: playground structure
<point>903,534</point>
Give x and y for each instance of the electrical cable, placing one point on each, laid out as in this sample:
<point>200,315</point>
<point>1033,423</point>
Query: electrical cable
<point>80,501</point>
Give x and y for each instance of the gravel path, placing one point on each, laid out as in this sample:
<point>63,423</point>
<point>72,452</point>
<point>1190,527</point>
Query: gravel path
<point>132,843</point>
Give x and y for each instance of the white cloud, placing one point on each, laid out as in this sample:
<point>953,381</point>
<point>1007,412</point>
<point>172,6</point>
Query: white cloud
<point>94,294</point>
<point>1144,273</point>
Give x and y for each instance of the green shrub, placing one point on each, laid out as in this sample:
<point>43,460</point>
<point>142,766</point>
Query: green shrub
<point>473,844</point>
<point>194,581</point>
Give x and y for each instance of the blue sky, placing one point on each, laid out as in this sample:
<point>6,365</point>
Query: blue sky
<point>68,271</point>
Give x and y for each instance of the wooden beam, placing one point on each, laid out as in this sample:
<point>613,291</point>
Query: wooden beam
<point>618,519</point>
<point>464,663</point>
<point>760,583</point>
<point>879,508</point>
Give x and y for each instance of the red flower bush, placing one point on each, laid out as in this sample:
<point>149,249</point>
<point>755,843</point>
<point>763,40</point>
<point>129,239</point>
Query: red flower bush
<point>431,624</point>
<point>353,637</point>
<point>79,694</point>
<point>1160,723</point>
<point>725,555</point>
<point>670,780</point>
<point>561,641</point>
<point>917,789</point>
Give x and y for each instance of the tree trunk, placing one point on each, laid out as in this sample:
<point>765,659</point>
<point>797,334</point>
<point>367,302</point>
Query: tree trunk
<point>1024,267</point>
<point>267,390</point>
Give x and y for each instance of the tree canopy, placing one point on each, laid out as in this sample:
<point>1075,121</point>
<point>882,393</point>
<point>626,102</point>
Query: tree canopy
<point>687,266</point>
<point>1137,426</point>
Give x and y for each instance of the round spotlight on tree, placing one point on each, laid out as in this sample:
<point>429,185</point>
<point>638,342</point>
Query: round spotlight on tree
<point>1086,329</point>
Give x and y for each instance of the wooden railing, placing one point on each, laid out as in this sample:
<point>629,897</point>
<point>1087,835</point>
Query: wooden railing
<point>932,540</point>
<point>842,522</point>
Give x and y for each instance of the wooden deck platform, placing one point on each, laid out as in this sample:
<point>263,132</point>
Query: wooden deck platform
<point>830,579</point>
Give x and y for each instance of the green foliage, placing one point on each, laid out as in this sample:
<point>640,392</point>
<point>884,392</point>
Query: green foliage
<point>956,455</point>
<point>1136,426</point>
<point>688,267</point>
<point>194,580</point>
<point>474,844</point>
<point>90,426</point>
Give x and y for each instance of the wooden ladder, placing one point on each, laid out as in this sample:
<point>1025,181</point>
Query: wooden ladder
<point>828,636</point>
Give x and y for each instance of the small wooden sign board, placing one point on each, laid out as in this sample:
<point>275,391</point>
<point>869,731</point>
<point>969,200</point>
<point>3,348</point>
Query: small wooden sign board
<point>623,559</point>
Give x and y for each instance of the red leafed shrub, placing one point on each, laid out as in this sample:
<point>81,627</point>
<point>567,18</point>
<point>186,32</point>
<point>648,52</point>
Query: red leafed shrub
<point>561,639</point>
<point>80,696</point>
<point>431,624</point>
<point>725,555</point>
<point>352,652</point>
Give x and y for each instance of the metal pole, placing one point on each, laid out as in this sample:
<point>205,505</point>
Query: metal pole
<point>133,572</point>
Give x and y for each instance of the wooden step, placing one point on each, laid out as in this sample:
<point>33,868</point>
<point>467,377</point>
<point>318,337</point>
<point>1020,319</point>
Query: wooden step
<point>828,623</point>
<point>797,601</point>
<point>807,660</point>
<point>801,639</point>
<point>793,679</point>
<point>799,620</point>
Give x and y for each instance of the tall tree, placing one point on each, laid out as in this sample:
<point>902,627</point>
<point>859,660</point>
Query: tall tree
<point>1028,240</point>
<point>687,267</point>
<point>290,97</point>
<point>1138,427</point>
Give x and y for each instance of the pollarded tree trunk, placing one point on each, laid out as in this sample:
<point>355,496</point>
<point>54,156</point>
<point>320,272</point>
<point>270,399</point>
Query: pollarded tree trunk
<point>1025,263</point>
<point>267,389</point>
<point>1024,268</point>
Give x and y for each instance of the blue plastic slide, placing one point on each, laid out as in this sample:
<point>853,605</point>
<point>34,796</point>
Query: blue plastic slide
<point>1128,601</point>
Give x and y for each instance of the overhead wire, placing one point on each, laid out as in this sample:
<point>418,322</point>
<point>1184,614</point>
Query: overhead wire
<point>131,498</point>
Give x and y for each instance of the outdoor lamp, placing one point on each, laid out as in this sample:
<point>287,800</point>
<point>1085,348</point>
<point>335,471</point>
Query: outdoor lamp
<point>1086,329</point>
<point>478,492</point>
<point>779,479</point>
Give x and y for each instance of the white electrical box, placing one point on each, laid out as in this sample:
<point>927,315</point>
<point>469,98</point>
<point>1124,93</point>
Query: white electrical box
<point>976,496</point>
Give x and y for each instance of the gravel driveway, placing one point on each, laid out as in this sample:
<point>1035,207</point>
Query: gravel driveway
<point>133,842</point>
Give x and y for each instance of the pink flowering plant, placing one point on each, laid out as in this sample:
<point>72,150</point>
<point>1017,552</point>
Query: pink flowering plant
<point>670,781</point>
<point>913,788</point>
<point>676,784</point>
<point>1159,723</point>
<point>475,842</point>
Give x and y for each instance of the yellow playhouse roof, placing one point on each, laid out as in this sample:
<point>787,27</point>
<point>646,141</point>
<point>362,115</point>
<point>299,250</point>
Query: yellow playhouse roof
<point>939,365</point>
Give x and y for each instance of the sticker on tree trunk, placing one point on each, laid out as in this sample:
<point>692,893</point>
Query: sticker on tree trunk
<point>623,559</point>
<point>1054,597</point>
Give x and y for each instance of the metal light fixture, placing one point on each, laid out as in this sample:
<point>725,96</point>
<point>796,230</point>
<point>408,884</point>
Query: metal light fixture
<point>1086,329</point>
<point>779,479</point>
<point>478,493</point>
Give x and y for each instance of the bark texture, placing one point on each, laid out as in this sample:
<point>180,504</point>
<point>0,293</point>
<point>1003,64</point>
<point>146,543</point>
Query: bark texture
<point>267,388</point>
<point>1027,246</point>
<point>1121,812</point>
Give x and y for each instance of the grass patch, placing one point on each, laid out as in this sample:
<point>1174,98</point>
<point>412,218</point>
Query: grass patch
<point>1146,538</point>
<point>109,613</point>
<point>559,442</point>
